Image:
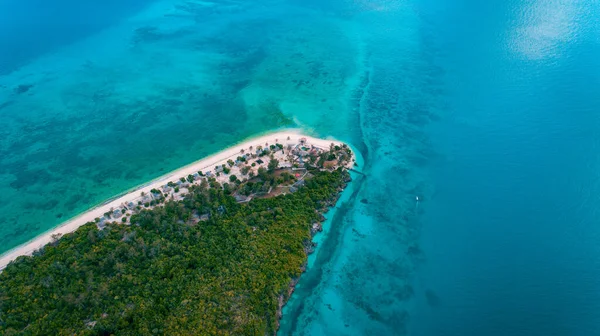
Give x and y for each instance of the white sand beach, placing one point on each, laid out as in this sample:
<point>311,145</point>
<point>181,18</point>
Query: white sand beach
<point>286,137</point>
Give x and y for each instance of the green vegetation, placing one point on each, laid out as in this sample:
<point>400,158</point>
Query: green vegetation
<point>273,164</point>
<point>169,273</point>
<point>245,170</point>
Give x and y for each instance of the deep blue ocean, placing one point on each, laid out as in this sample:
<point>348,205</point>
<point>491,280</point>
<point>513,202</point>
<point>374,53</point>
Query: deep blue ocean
<point>511,233</point>
<point>477,125</point>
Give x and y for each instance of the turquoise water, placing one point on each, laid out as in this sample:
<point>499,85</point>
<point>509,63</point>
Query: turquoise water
<point>486,111</point>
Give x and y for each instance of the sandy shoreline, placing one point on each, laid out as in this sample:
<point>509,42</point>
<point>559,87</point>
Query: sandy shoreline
<point>201,165</point>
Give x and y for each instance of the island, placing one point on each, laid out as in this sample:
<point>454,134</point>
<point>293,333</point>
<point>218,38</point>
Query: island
<point>214,248</point>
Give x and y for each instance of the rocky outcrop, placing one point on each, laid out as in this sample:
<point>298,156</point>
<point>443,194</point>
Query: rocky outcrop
<point>316,227</point>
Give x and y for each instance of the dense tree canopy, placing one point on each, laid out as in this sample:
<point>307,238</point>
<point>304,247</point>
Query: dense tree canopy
<point>205,265</point>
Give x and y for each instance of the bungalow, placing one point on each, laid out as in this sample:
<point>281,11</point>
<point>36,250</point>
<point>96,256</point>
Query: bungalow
<point>117,213</point>
<point>241,198</point>
<point>102,223</point>
<point>299,183</point>
<point>329,164</point>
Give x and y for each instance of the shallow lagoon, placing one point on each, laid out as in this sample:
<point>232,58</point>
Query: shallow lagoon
<point>164,83</point>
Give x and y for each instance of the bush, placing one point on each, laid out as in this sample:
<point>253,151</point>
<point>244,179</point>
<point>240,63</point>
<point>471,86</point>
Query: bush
<point>232,178</point>
<point>273,164</point>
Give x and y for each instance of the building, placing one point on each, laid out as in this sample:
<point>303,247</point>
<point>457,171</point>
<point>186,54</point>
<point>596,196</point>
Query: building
<point>329,164</point>
<point>299,183</point>
<point>117,213</point>
<point>241,198</point>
